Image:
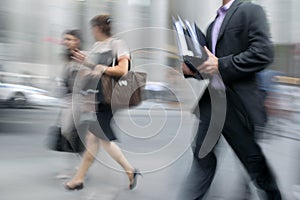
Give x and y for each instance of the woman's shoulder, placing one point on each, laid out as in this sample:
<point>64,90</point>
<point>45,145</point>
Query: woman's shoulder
<point>118,42</point>
<point>116,39</point>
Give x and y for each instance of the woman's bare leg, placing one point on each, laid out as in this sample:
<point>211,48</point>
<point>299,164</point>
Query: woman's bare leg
<point>115,152</point>
<point>92,145</point>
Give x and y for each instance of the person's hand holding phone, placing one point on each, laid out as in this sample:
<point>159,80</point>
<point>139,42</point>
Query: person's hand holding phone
<point>80,57</point>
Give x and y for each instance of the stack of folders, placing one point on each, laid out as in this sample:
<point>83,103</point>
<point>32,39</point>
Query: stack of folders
<point>190,41</point>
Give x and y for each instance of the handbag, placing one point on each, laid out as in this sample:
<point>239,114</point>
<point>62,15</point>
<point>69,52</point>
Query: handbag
<point>56,141</point>
<point>123,92</point>
<point>118,92</point>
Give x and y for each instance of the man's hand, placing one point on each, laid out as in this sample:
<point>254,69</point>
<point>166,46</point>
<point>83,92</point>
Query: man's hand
<point>210,66</point>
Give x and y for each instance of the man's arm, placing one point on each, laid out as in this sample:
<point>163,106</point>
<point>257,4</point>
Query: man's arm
<point>259,53</point>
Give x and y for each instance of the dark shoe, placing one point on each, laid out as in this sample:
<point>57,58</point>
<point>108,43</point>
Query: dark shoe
<point>136,172</point>
<point>77,186</point>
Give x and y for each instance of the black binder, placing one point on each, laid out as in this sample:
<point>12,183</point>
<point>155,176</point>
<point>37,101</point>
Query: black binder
<point>190,45</point>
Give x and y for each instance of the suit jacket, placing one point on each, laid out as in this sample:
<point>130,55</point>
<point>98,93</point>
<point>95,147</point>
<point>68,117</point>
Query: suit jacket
<point>244,48</point>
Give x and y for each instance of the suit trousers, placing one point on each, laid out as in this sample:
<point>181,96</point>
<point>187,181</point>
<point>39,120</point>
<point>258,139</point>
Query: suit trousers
<point>238,131</point>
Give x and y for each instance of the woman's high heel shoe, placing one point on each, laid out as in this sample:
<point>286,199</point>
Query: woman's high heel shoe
<point>136,172</point>
<point>78,186</point>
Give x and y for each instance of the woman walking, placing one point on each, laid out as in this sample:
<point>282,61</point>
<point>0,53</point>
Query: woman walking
<point>100,134</point>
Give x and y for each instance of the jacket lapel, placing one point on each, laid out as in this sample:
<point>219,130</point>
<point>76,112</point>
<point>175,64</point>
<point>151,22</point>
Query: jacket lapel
<point>229,14</point>
<point>208,35</point>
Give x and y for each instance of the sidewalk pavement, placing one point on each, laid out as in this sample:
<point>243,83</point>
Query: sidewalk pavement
<point>28,169</point>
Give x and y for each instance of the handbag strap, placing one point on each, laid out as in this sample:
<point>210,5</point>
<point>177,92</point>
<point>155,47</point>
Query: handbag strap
<point>115,59</point>
<point>115,56</point>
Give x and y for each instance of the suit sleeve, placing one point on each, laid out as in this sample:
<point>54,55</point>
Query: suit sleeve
<point>259,53</point>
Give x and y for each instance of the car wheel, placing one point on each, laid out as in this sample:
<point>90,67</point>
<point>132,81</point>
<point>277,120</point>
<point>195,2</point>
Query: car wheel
<point>18,100</point>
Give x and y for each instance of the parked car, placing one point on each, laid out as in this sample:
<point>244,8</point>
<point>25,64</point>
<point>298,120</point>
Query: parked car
<point>14,95</point>
<point>158,91</point>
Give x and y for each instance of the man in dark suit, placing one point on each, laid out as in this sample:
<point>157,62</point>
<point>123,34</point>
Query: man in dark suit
<point>238,46</point>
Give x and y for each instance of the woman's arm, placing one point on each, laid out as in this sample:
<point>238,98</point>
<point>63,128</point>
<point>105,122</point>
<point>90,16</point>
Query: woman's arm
<point>97,70</point>
<point>119,70</point>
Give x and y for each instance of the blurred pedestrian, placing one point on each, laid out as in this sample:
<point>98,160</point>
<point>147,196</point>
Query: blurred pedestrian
<point>238,47</point>
<point>100,134</point>
<point>71,40</point>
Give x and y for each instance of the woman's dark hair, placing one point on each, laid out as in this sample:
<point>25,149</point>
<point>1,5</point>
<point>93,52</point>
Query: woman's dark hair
<point>75,32</point>
<point>103,22</point>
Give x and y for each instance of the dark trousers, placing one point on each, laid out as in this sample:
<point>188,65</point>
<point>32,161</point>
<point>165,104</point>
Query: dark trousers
<point>238,131</point>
